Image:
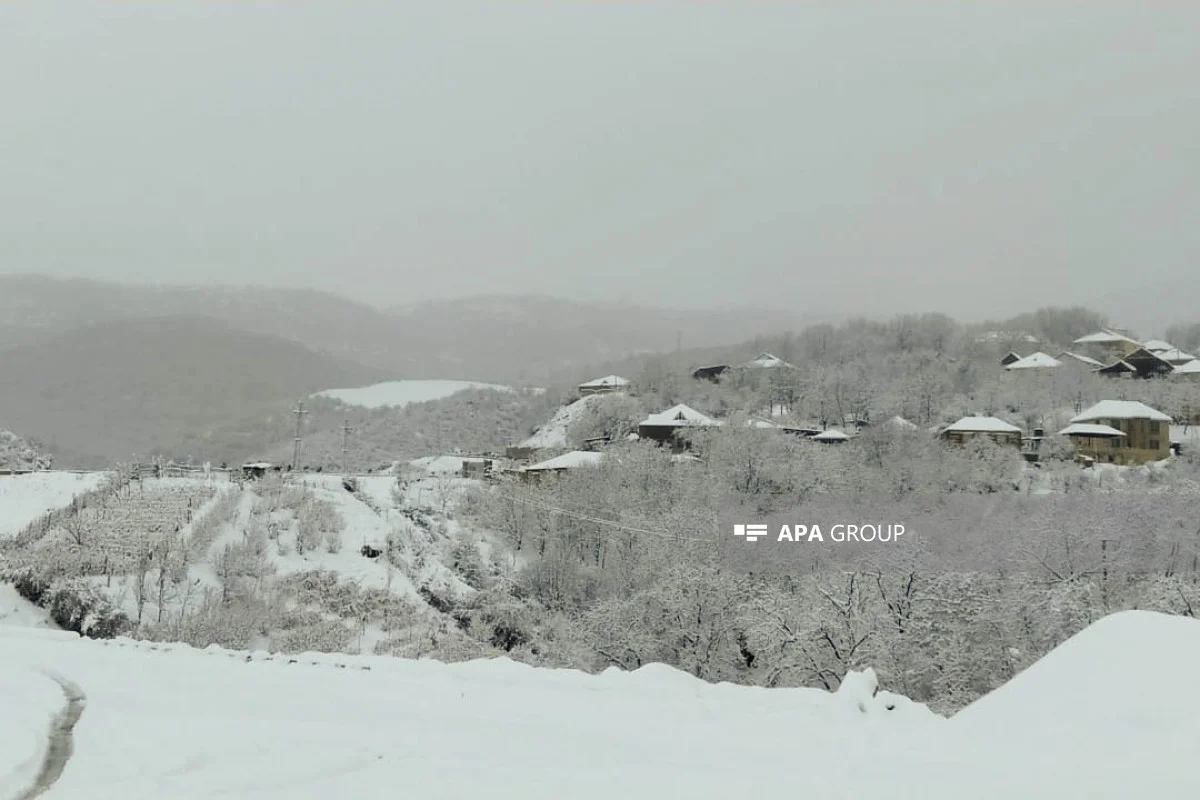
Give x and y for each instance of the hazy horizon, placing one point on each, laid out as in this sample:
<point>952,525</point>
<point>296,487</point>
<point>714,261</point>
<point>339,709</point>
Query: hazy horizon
<point>861,158</point>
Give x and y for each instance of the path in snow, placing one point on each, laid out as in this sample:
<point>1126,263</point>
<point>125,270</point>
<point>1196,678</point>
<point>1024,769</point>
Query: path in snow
<point>61,740</point>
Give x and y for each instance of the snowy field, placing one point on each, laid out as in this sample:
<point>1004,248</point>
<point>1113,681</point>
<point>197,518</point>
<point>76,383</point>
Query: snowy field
<point>1110,714</point>
<point>401,393</point>
<point>24,498</point>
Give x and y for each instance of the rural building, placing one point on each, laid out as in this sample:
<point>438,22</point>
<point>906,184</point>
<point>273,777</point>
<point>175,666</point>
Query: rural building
<point>666,426</point>
<point>831,436</point>
<point>806,431</point>
<point>1009,359</point>
<point>1158,346</point>
<point>713,373</point>
<point>1174,356</point>
<point>1118,369</point>
<point>609,383</point>
<point>767,361</point>
<point>558,465</point>
<point>1072,359</point>
<point>1121,432</point>
<point>1106,345</point>
<point>973,427</point>
<point>476,467</point>
<point>1147,364</point>
<point>1189,370</point>
<point>1038,360</point>
<point>256,469</point>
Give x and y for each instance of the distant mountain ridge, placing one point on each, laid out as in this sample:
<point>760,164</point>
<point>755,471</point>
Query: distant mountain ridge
<point>112,390</point>
<point>522,339</point>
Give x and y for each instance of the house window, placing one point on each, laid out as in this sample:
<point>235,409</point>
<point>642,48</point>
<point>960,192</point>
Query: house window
<point>1154,444</point>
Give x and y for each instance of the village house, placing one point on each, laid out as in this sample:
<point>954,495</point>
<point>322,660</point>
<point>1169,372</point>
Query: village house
<point>1120,432</point>
<point>666,426</point>
<point>605,385</point>
<point>712,373</point>
<point>1157,345</point>
<point>1038,360</point>
<point>1012,357</point>
<point>1106,345</point>
<point>1073,359</point>
<point>558,465</point>
<point>1190,370</point>
<point>1174,356</point>
<point>831,436</point>
<point>767,361</point>
<point>973,427</point>
<point>1140,363</point>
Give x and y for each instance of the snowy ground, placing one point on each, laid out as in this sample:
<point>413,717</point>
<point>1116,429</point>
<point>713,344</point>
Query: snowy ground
<point>24,498</point>
<point>402,393</point>
<point>1111,714</point>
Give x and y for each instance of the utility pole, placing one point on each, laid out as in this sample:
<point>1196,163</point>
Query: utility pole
<point>346,431</point>
<point>299,412</point>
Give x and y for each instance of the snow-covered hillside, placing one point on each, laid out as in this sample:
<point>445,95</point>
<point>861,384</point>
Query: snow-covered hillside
<point>401,393</point>
<point>168,721</point>
<point>24,498</point>
<point>555,433</point>
<point>310,562</point>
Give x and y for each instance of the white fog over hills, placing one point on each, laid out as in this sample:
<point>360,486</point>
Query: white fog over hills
<point>496,339</point>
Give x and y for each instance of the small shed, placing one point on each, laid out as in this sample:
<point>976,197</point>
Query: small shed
<point>256,469</point>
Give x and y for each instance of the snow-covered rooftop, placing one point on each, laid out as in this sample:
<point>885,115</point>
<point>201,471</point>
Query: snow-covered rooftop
<point>983,425</point>
<point>607,382</point>
<point>902,423</point>
<point>830,436</point>
<point>1089,429</point>
<point>1190,368</point>
<point>767,361</point>
<point>678,416</point>
<point>1120,409</point>
<point>1157,344</point>
<point>1038,360</point>
<point>1091,362</point>
<point>571,460</point>
<point>1105,337</point>
<point>1175,356</point>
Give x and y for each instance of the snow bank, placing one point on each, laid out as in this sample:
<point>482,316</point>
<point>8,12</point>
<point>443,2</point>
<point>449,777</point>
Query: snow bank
<point>1110,714</point>
<point>402,393</point>
<point>29,702</point>
<point>1115,706</point>
<point>24,498</point>
<point>17,611</point>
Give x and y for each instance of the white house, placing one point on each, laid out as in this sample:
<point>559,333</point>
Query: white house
<point>1038,360</point>
<point>993,428</point>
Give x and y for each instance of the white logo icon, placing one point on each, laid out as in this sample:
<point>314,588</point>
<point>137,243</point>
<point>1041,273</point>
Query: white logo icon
<point>752,532</point>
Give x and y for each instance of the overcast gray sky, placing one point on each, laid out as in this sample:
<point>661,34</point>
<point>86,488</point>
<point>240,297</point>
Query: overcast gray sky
<point>852,155</point>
